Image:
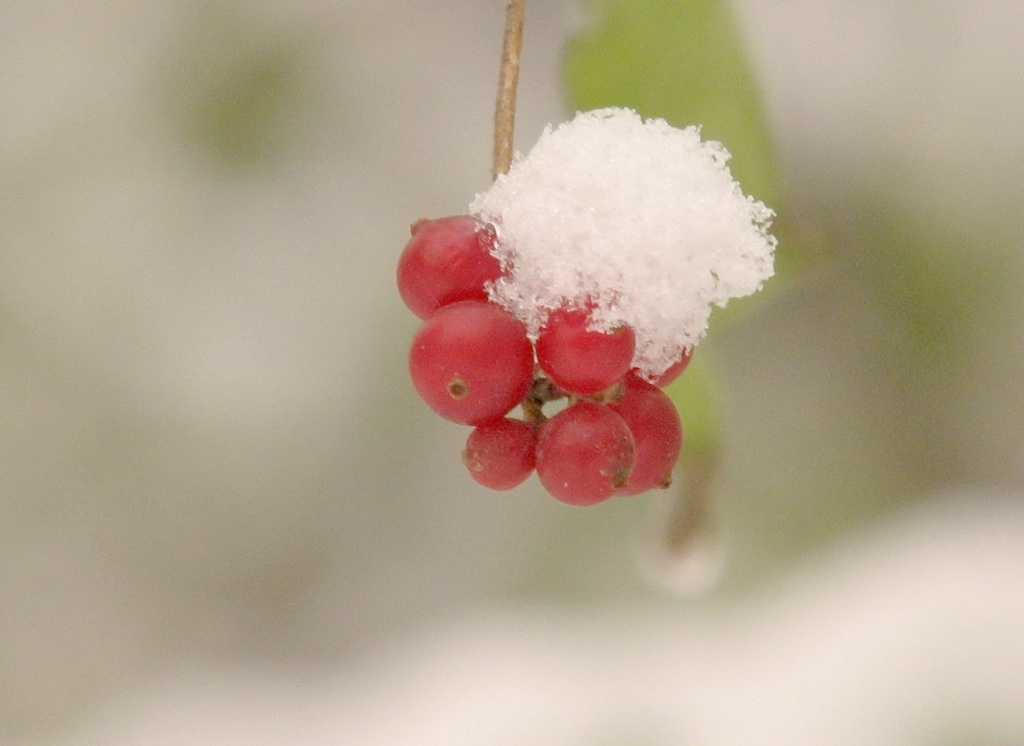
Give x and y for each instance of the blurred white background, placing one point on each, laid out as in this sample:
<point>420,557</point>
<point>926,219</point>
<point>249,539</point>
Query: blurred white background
<point>225,518</point>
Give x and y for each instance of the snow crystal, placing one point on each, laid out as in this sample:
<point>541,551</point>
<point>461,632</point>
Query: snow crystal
<point>637,219</point>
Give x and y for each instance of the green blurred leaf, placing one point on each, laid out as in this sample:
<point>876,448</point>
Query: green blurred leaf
<point>682,61</point>
<point>695,395</point>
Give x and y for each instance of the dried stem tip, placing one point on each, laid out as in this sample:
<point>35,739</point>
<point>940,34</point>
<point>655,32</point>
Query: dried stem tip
<point>505,108</point>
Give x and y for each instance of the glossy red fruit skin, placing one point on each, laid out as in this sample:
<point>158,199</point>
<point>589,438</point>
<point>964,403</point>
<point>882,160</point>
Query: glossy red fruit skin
<point>579,360</point>
<point>584,453</point>
<point>501,454</point>
<point>471,362</point>
<point>657,431</point>
<point>447,260</point>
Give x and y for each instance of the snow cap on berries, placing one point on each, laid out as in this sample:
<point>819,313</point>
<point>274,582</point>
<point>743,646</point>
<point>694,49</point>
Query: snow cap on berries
<point>638,220</point>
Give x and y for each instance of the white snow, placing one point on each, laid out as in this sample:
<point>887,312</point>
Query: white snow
<point>639,218</point>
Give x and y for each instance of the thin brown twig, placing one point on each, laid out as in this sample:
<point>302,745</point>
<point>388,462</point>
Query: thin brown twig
<point>692,506</point>
<point>508,78</point>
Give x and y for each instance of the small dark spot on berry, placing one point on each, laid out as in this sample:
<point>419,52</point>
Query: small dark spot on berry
<point>458,389</point>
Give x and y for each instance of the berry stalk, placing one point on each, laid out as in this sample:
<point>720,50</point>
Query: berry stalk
<point>508,79</point>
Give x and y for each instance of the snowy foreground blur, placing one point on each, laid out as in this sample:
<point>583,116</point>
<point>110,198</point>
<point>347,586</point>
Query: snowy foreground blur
<point>225,518</point>
<point>909,634</point>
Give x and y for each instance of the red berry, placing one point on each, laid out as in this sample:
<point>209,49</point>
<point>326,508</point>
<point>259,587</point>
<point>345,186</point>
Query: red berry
<point>501,454</point>
<point>447,260</point>
<point>580,360</point>
<point>672,372</point>
<point>584,453</point>
<point>471,362</point>
<point>657,431</point>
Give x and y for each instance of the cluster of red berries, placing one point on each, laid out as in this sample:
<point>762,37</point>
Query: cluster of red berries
<point>473,363</point>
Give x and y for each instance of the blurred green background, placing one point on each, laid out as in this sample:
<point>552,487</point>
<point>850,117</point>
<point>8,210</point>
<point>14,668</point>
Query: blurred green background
<point>209,450</point>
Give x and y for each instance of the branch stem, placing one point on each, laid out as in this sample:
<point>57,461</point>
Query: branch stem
<point>508,79</point>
